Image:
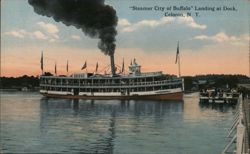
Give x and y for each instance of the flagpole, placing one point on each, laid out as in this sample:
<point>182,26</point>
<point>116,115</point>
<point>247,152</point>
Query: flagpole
<point>67,67</point>
<point>178,58</point>
<point>55,69</point>
<point>42,62</point>
<point>179,64</point>
<point>123,72</point>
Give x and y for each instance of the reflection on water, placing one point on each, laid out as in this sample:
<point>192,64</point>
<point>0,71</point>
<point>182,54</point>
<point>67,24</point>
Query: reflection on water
<point>115,126</point>
<point>98,119</point>
<point>219,107</point>
<point>195,111</point>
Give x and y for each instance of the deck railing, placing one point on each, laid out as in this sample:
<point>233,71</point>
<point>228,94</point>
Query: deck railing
<point>240,129</point>
<point>120,84</point>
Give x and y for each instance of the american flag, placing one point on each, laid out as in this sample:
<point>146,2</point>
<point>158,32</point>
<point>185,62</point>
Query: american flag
<point>177,54</point>
<point>41,61</point>
<point>84,66</point>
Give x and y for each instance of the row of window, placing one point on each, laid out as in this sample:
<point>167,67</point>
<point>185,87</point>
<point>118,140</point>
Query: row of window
<point>125,81</point>
<point>139,89</point>
<point>110,84</point>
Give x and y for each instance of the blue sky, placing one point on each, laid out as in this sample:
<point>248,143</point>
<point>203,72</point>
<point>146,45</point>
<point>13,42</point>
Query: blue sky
<point>149,32</point>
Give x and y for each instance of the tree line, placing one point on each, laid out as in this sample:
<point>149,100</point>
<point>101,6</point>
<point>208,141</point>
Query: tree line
<point>210,80</point>
<point>30,82</point>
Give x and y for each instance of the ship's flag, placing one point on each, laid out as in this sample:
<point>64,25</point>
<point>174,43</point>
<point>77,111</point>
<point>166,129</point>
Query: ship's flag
<point>41,61</point>
<point>84,66</point>
<point>96,68</point>
<point>177,54</point>
<point>134,61</point>
<point>123,65</point>
<point>55,69</point>
<point>67,66</point>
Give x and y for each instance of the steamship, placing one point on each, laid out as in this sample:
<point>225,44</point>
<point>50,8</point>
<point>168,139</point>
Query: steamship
<point>132,85</point>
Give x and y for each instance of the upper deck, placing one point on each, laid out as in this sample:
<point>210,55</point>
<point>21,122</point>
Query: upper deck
<point>150,80</point>
<point>102,76</point>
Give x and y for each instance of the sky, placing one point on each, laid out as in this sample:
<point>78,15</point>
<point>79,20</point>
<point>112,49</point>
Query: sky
<point>214,42</point>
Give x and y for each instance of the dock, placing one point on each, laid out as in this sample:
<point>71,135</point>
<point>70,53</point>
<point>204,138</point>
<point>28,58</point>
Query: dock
<point>214,96</point>
<point>239,131</point>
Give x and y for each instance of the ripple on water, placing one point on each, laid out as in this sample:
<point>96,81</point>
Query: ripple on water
<point>34,124</point>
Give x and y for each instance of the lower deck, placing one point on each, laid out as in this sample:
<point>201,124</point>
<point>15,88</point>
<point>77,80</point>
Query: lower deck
<point>177,95</point>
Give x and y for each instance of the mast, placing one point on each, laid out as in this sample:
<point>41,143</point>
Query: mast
<point>41,62</point>
<point>178,59</point>
<point>179,63</point>
<point>55,70</point>
<point>67,67</point>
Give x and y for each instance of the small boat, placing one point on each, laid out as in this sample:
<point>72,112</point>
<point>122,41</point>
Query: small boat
<point>215,96</point>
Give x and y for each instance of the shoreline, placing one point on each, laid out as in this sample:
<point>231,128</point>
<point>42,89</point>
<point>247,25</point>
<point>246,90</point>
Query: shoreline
<point>18,90</point>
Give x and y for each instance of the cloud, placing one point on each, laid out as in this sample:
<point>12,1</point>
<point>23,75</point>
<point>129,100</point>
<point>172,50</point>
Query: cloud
<point>17,33</point>
<point>21,34</point>
<point>126,26</point>
<point>222,37</point>
<point>189,21</point>
<point>55,36</point>
<point>52,40</point>
<point>50,28</point>
<point>75,37</point>
<point>39,35</point>
<point>123,22</point>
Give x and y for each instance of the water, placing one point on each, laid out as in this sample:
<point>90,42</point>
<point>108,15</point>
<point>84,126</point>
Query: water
<point>31,123</point>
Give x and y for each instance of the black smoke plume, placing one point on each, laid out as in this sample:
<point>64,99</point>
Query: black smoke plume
<point>93,17</point>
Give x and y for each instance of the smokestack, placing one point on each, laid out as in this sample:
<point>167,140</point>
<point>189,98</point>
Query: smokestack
<point>112,64</point>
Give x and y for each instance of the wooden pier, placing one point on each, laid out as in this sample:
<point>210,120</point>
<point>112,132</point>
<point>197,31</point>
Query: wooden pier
<point>215,96</point>
<point>239,132</point>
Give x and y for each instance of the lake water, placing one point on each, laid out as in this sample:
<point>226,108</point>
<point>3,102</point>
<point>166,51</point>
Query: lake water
<point>31,123</point>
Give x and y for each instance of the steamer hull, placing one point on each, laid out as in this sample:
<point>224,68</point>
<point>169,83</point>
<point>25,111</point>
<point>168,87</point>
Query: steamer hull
<point>177,96</point>
<point>147,86</point>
